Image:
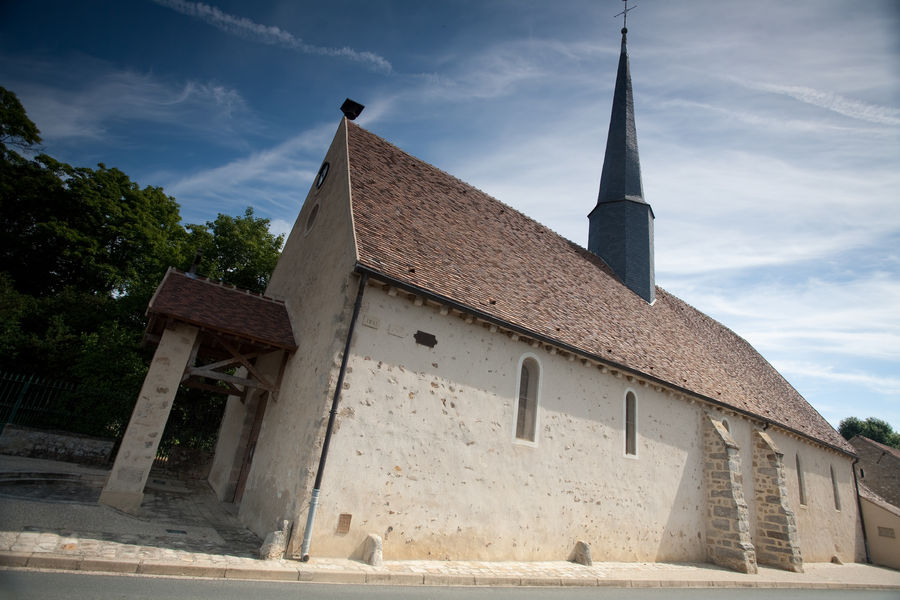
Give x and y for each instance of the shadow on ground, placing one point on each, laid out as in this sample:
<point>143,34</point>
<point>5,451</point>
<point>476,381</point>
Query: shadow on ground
<point>175,514</point>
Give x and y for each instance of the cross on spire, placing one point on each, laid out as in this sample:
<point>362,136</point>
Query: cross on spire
<point>624,15</point>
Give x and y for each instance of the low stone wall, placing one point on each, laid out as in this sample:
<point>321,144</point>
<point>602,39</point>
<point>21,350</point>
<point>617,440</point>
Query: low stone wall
<point>16,440</point>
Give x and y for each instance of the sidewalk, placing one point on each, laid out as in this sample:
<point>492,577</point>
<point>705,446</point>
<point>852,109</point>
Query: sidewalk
<point>49,519</point>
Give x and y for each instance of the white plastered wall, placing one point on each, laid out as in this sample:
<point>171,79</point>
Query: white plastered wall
<point>824,532</point>
<point>424,454</point>
<point>314,278</point>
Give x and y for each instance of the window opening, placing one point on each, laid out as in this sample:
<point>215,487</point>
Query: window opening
<point>834,488</point>
<point>311,219</point>
<point>726,425</point>
<point>630,424</point>
<point>801,483</point>
<point>526,410</point>
<point>322,174</point>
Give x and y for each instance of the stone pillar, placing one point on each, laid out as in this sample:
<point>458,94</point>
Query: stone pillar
<point>125,487</point>
<point>728,518</point>
<point>776,529</point>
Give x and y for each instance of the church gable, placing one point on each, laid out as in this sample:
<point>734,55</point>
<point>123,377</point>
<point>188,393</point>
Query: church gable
<point>418,227</point>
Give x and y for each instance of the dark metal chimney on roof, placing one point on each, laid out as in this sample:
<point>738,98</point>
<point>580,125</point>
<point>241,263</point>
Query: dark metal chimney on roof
<point>621,225</point>
<point>351,109</point>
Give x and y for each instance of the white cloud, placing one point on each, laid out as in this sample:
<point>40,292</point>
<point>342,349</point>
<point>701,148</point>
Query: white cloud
<point>269,34</point>
<point>273,180</point>
<point>855,318</point>
<point>855,109</point>
<point>280,227</point>
<point>877,383</point>
<point>106,97</point>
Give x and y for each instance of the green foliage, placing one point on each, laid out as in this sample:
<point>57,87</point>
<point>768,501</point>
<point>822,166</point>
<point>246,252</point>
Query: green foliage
<point>16,129</point>
<point>81,253</point>
<point>872,428</point>
<point>237,250</point>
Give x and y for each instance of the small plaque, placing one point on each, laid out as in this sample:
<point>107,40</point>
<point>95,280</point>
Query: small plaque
<point>344,523</point>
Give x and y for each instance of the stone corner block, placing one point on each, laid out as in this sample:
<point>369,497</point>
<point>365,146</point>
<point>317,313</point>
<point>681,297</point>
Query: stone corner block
<point>373,553</point>
<point>581,554</point>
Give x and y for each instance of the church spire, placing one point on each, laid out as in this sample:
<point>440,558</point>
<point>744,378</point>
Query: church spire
<point>621,225</point>
<point>621,175</point>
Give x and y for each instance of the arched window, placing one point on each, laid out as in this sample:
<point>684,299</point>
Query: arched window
<point>527,405</point>
<point>801,483</point>
<point>630,424</point>
<point>726,425</point>
<point>834,488</point>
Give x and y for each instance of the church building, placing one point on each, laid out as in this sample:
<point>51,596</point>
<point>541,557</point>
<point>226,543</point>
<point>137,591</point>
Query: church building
<point>468,385</point>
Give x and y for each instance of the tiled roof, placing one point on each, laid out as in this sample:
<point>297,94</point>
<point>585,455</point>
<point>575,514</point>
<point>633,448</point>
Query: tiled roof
<point>884,448</point>
<point>421,227</point>
<point>212,305</point>
<point>867,493</point>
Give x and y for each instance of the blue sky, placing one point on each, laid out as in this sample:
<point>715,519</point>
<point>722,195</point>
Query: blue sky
<point>769,134</point>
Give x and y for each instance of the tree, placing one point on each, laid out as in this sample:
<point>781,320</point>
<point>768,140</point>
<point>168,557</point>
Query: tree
<point>81,252</point>
<point>873,428</point>
<point>16,129</point>
<point>239,251</point>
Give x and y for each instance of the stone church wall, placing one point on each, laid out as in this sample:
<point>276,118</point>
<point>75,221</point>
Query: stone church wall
<point>314,278</point>
<point>823,531</point>
<point>424,453</point>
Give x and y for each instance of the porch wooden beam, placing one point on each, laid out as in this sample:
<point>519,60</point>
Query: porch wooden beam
<point>203,372</point>
<point>247,364</point>
<point>209,387</point>
<point>230,362</point>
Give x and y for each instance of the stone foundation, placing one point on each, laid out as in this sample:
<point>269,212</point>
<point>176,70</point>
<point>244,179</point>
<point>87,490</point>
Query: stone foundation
<point>776,529</point>
<point>728,518</point>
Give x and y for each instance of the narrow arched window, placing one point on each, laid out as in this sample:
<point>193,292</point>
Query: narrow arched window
<point>630,424</point>
<point>526,407</point>
<point>801,483</point>
<point>834,488</point>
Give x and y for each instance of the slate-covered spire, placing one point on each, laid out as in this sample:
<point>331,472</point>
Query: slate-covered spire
<point>621,176</point>
<point>621,225</point>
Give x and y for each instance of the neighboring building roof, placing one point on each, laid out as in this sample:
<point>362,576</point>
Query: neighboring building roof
<point>883,447</point>
<point>225,309</point>
<point>423,228</point>
<point>867,493</point>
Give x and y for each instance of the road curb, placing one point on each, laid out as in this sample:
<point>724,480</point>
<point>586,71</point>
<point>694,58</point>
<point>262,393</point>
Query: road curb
<point>269,571</point>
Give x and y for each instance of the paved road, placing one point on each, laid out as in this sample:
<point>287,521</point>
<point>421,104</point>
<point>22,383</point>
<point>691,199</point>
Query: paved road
<point>28,585</point>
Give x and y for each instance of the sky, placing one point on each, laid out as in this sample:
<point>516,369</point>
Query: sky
<point>769,134</point>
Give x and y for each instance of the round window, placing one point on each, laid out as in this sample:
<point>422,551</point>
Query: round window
<point>322,174</point>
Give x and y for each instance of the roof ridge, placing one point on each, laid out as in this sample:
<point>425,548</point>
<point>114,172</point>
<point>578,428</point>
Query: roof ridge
<point>885,447</point>
<point>223,285</point>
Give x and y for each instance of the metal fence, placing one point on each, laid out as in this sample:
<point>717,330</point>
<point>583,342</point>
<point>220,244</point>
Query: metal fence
<point>34,401</point>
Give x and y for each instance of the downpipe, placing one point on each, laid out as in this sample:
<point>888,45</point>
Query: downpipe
<point>336,400</point>
<point>862,521</point>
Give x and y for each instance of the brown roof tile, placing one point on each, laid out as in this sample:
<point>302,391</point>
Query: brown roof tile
<point>883,447</point>
<point>420,226</point>
<point>205,303</point>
